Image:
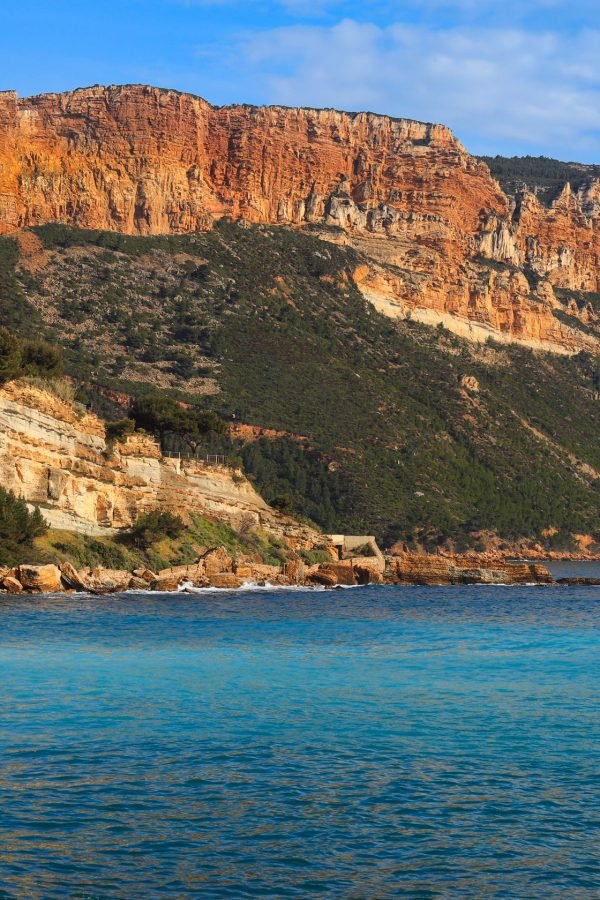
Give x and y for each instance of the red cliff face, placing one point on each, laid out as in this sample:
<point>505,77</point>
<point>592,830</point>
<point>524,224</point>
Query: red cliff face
<point>146,161</point>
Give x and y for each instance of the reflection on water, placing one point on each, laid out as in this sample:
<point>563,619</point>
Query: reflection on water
<point>377,742</point>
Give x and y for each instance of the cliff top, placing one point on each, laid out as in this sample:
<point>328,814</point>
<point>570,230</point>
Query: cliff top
<point>100,88</point>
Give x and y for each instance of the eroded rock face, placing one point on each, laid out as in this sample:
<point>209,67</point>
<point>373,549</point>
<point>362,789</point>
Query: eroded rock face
<point>145,161</point>
<point>40,578</point>
<point>420,568</point>
<point>56,457</point>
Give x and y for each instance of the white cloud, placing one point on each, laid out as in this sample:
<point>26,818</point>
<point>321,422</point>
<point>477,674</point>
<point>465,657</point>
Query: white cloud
<point>495,87</point>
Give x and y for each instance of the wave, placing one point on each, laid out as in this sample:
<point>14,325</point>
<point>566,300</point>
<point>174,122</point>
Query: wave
<point>188,588</point>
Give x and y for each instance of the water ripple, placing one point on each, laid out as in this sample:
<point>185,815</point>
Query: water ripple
<point>418,742</point>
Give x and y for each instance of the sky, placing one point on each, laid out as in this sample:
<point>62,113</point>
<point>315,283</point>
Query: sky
<point>512,77</point>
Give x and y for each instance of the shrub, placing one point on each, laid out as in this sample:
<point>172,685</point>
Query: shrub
<point>164,416</point>
<point>18,527</point>
<point>27,358</point>
<point>283,502</point>
<point>154,526</point>
<point>10,356</point>
<point>312,557</point>
<point>41,358</point>
<point>116,431</point>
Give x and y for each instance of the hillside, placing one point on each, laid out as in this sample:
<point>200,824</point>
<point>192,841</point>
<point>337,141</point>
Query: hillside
<point>389,427</point>
<point>541,175</point>
<point>439,238</point>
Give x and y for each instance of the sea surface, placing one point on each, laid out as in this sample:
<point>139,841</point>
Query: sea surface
<point>364,743</point>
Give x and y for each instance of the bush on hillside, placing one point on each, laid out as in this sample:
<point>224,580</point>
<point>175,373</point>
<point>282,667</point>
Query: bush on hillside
<point>41,358</point>
<point>155,526</point>
<point>21,358</point>
<point>116,431</point>
<point>18,527</point>
<point>163,416</point>
<point>10,356</point>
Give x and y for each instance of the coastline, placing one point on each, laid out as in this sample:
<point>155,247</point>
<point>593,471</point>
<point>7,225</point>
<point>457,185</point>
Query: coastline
<point>218,570</point>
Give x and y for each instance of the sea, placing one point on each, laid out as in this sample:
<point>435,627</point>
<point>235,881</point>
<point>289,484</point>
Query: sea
<point>373,742</point>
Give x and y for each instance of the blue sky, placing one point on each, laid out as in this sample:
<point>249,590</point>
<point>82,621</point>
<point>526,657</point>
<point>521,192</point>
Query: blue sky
<point>509,77</point>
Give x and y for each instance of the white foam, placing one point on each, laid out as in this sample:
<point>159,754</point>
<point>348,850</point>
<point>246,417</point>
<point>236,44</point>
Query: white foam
<point>189,588</point>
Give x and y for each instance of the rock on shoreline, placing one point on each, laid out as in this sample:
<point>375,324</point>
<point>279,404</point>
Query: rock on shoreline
<point>414,568</point>
<point>217,568</point>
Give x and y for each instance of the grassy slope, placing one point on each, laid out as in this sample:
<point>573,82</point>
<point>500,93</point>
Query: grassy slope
<point>272,317</point>
<point>81,550</point>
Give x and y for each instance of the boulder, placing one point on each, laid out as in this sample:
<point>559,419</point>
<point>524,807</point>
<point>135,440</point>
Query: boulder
<point>367,575</point>
<point>184,573</point>
<point>340,572</point>
<point>579,580</point>
<point>264,573</point>
<point>71,578</point>
<point>226,580</point>
<point>40,579</point>
<point>330,574</point>
<point>327,579</point>
<point>138,584</point>
<point>11,585</point>
<point>480,576</point>
<point>109,581</point>
<point>415,568</point>
<point>420,568</point>
<point>528,573</point>
<point>294,570</point>
<point>377,563</point>
<point>146,575</point>
<point>216,561</point>
<point>201,581</point>
<point>167,583</point>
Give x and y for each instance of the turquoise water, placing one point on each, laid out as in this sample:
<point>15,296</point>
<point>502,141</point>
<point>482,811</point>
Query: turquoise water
<point>376,742</point>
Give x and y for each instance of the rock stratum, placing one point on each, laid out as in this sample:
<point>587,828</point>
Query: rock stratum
<point>441,241</point>
<point>55,455</point>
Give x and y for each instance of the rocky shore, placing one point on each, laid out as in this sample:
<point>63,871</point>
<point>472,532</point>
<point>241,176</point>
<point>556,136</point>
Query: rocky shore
<point>218,569</point>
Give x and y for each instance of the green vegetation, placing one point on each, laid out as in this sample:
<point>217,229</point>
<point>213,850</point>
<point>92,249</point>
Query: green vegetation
<point>17,312</point>
<point>264,326</point>
<point>295,479</point>
<point>18,528</point>
<point>154,526</point>
<point>152,543</point>
<point>249,540</point>
<point>166,418</point>
<point>547,177</point>
<point>23,358</point>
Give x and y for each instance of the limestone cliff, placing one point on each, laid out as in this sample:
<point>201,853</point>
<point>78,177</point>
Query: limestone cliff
<point>447,244</point>
<point>54,454</point>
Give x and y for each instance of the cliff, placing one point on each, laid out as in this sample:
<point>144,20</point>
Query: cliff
<point>443,243</point>
<point>55,455</point>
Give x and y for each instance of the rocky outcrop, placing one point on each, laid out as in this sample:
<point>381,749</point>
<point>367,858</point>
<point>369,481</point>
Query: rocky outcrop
<point>420,568</point>
<point>144,160</point>
<point>217,568</point>
<point>443,243</point>
<point>55,455</point>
